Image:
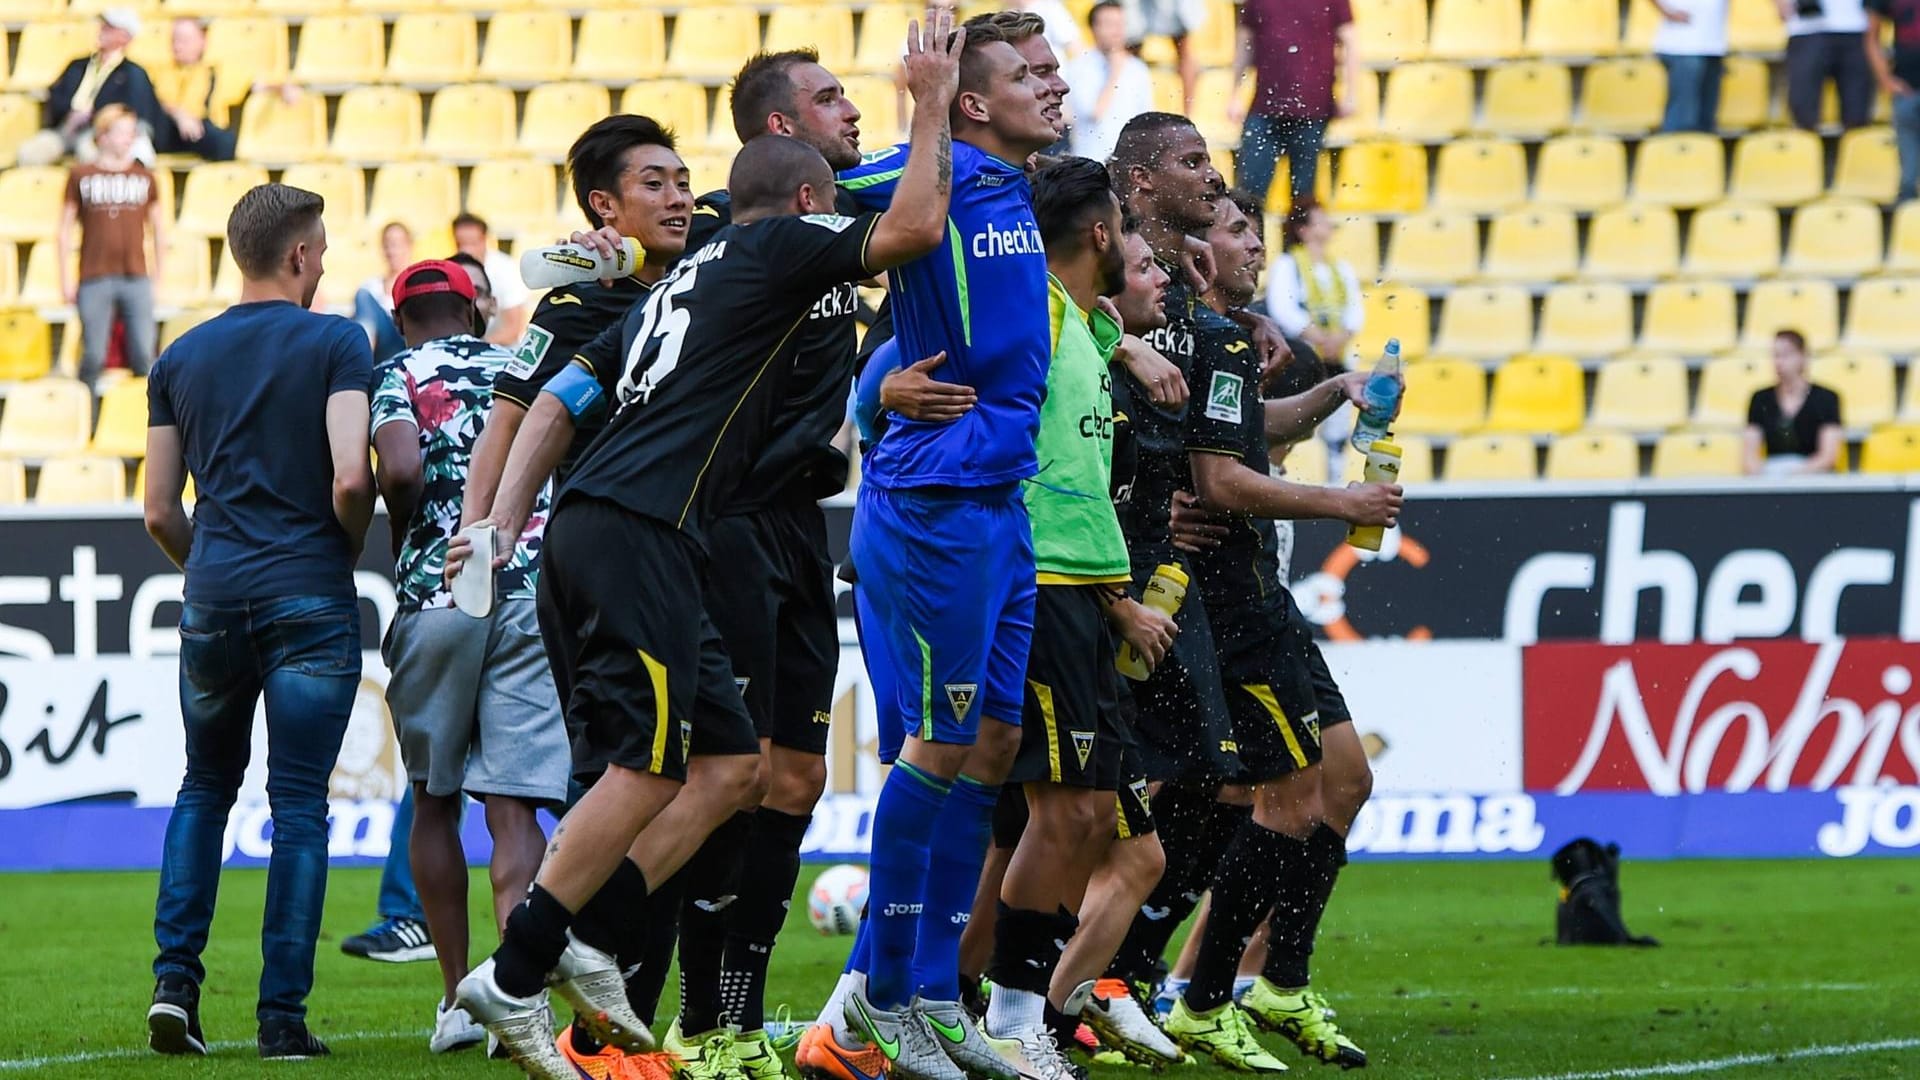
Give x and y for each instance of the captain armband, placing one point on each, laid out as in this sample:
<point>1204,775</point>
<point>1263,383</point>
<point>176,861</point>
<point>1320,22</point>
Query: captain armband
<point>577,391</point>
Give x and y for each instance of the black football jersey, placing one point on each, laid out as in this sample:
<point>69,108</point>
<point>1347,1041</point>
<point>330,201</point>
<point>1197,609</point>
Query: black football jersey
<point>706,363</point>
<point>566,319</point>
<point>1225,415</point>
<point>1160,451</point>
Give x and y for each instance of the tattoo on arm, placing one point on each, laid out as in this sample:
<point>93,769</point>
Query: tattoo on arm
<point>944,180</point>
<point>553,844</point>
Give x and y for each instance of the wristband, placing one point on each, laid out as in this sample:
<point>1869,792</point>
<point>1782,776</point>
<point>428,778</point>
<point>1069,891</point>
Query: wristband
<point>577,391</point>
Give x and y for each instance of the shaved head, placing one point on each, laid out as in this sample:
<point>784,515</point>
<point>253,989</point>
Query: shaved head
<point>769,172</point>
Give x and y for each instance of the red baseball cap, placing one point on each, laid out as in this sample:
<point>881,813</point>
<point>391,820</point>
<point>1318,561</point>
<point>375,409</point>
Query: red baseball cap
<point>457,281</point>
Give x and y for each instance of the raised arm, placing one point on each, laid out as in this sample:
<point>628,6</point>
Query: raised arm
<point>1293,418</point>
<point>916,221</point>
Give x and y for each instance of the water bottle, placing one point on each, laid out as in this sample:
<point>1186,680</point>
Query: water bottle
<point>1166,591</point>
<point>567,264</point>
<point>1383,467</point>
<point>1382,397</point>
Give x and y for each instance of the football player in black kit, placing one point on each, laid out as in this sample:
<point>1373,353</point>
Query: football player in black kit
<point>707,361</point>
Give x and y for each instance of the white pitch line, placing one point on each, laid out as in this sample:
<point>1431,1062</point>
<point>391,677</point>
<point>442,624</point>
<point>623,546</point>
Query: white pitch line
<point>1536,991</point>
<point>129,1052</point>
<point>1690,1068</point>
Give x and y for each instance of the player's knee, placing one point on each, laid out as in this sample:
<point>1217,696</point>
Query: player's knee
<point>1291,804</point>
<point>797,782</point>
<point>1146,860</point>
<point>746,779</point>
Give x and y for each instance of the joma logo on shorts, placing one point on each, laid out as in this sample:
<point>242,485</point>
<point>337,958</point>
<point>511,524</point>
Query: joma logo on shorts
<point>900,909</point>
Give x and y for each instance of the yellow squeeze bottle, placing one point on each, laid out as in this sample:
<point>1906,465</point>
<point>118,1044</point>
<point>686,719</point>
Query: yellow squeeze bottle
<point>1166,590</point>
<point>1383,467</point>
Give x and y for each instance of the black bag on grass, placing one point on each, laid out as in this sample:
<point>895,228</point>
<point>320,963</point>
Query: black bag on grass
<point>1589,909</point>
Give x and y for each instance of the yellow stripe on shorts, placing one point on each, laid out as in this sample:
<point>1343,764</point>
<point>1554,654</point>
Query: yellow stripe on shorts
<point>657,674</point>
<point>1263,694</point>
<point>1044,694</point>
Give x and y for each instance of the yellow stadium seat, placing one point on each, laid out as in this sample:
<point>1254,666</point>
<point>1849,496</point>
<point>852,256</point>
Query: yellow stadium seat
<point>40,285</point>
<point>1382,177</point>
<point>1433,248</point>
<point>1581,172</point>
<point>620,44</point>
<point>1427,102</point>
<point>1538,393</point>
<point>1892,450</point>
<point>1868,166</point>
<point>211,190</point>
<point>1834,238</point>
<point>828,29</point>
<point>1444,397</point>
<point>1687,169</point>
<point>140,484</point>
<point>1530,99</point>
<point>1212,41</point>
<point>1697,454</point>
<point>1356,238</point>
<point>1480,175</point>
<point>1733,241</point>
<point>1811,307</point>
<point>188,271</point>
<point>677,103</point>
<point>26,345</point>
<point>1566,28</point>
<point>527,47</point>
<point>1593,455</point>
<point>1746,95</point>
<point>1395,312</point>
<point>1492,457</point>
<point>1754,26</point>
<point>226,280</point>
<point>45,417</point>
<point>1211,97</point>
<point>1586,319</point>
<point>248,47</point>
<point>81,480</point>
<point>1884,313</point>
<point>1532,247</point>
<point>556,115</point>
<point>1474,30</point>
<point>725,35</point>
<point>1485,322</point>
<point>30,201</point>
<point>432,48</point>
<point>470,123</point>
<point>709,170</point>
<point>1903,241</point>
<point>376,124</point>
<point>883,36</point>
<point>1632,243</point>
<point>344,187</point>
<point>423,194</point>
<point>19,119</point>
<point>1690,318</point>
<point>1727,385</point>
<point>1643,392</point>
<point>122,429</point>
<point>1781,168</point>
<point>339,50</point>
<point>13,482</point>
<point>1865,383</point>
<point>1364,121</point>
<point>1390,31</point>
<point>274,131</point>
<point>302,8</point>
<point>171,328</point>
<point>47,45</point>
<point>1306,461</point>
<point>880,121</point>
<point>1626,96</point>
<point>511,194</point>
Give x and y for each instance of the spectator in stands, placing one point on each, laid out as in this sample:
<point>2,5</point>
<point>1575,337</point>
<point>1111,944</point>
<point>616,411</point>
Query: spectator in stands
<point>191,116</point>
<point>90,83</point>
<point>1063,31</point>
<point>1793,427</point>
<point>1824,41</point>
<point>509,304</point>
<point>1110,85</point>
<point>113,202</point>
<point>1692,45</point>
<point>373,301</point>
<point>1294,47</point>
<point>1899,79</point>
<point>1176,19</point>
<point>267,406</point>
<point>483,298</point>
<point>1311,294</point>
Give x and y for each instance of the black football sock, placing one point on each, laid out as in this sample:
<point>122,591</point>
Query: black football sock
<point>773,854</point>
<point>647,969</point>
<point>536,935</point>
<point>713,885</point>
<point>1298,907</point>
<point>1249,875</point>
<point>1204,830</point>
<point>614,920</point>
<point>1023,952</point>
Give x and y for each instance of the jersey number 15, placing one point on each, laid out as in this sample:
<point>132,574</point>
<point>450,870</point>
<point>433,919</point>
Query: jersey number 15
<point>661,320</point>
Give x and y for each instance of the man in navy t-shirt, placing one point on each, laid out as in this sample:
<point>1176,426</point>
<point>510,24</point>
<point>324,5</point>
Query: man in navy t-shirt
<point>266,407</point>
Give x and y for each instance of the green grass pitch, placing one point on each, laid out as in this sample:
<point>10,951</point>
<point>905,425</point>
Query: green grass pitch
<point>1770,969</point>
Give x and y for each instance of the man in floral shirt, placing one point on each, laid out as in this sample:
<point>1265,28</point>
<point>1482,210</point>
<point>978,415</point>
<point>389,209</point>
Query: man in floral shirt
<point>473,701</point>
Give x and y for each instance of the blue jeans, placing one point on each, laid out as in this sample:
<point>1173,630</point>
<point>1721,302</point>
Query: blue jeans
<point>1693,93</point>
<point>303,654</point>
<point>1906,137</point>
<point>379,326</point>
<point>398,898</point>
<point>1263,139</point>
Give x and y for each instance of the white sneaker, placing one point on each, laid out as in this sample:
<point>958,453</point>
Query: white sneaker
<point>453,1030</point>
<point>1115,1015</point>
<point>524,1026</point>
<point>591,982</point>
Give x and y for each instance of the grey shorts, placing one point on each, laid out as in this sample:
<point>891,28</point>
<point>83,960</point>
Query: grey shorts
<point>474,706</point>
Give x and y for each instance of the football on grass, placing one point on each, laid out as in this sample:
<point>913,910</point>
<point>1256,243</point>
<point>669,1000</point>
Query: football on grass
<point>839,896</point>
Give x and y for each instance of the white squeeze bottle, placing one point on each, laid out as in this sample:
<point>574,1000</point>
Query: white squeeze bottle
<point>1166,590</point>
<point>1382,397</point>
<point>567,264</point>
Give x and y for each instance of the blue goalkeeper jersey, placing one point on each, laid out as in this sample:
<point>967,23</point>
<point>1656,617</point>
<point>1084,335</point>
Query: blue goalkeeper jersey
<point>982,299</point>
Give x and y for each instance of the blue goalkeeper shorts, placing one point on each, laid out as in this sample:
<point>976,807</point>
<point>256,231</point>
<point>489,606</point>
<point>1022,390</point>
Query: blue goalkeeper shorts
<point>945,605</point>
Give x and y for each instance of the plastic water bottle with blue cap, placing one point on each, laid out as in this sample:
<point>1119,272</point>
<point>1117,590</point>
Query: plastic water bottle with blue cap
<point>1380,399</point>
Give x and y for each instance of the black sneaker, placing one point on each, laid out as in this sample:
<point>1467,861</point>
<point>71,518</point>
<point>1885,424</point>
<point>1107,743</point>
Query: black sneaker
<point>173,1020</point>
<point>289,1040</point>
<point>396,941</point>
